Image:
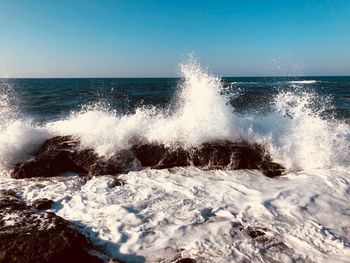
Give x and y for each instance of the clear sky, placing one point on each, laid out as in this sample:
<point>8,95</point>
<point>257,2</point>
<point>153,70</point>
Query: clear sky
<point>49,38</point>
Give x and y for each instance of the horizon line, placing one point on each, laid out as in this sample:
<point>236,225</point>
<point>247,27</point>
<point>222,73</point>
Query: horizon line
<point>261,76</point>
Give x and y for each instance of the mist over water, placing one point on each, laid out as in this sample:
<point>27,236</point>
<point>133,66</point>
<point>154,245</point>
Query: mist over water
<point>293,121</point>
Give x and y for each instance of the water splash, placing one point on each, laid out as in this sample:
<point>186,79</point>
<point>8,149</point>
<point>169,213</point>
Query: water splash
<point>296,132</point>
<point>8,105</point>
<point>18,136</point>
<point>311,141</point>
<point>201,114</point>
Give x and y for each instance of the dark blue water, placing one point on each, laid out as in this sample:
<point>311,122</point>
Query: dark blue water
<point>47,99</point>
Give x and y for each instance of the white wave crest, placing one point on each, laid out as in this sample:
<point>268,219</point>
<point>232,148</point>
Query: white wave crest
<point>202,114</point>
<point>295,133</point>
<point>303,81</point>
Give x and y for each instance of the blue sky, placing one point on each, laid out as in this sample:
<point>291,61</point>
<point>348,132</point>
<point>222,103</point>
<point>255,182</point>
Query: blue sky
<point>149,38</point>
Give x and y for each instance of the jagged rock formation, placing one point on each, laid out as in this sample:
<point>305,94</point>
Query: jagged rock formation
<point>61,154</point>
<point>31,235</point>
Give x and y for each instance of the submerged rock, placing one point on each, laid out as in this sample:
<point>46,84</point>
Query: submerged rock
<point>264,239</point>
<point>186,260</point>
<point>63,153</point>
<point>42,204</point>
<point>30,235</point>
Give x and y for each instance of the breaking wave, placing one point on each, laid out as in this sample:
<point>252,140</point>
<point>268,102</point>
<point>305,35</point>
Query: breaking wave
<point>303,81</point>
<point>295,132</point>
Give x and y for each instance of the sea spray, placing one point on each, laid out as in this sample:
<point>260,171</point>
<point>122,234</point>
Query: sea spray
<point>18,136</point>
<point>201,114</point>
<point>8,105</point>
<point>295,132</point>
<point>311,140</point>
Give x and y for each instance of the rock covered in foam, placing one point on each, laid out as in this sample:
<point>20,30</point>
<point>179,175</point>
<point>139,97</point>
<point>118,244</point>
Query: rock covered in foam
<point>31,235</point>
<point>62,154</point>
<point>272,243</point>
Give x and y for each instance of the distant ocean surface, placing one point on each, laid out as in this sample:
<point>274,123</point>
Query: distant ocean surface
<point>163,215</point>
<point>47,99</point>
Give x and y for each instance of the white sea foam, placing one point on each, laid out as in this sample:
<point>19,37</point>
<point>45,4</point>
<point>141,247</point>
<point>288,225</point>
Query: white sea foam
<point>161,215</point>
<point>202,114</point>
<point>295,132</point>
<point>311,141</point>
<point>18,136</point>
<point>303,81</point>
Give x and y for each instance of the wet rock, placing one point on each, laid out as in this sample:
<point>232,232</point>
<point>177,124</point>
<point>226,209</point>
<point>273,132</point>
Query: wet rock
<point>272,169</point>
<point>229,154</point>
<point>149,154</point>
<point>62,154</point>
<point>215,155</point>
<point>159,156</point>
<point>29,235</point>
<point>186,260</point>
<point>55,157</point>
<point>116,164</point>
<point>263,238</point>
<point>255,232</point>
<point>116,182</point>
<point>8,199</point>
<point>42,204</point>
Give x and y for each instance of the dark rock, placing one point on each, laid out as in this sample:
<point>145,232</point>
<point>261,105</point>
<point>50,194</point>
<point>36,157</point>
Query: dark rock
<point>116,182</point>
<point>186,260</point>
<point>118,163</point>
<point>158,156</point>
<point>264,239</point>
<point>149,154</point>
<point>42,204</point>
<point>8,199</point>
<point>256,232</point>
<point>226,154</point>
<point>55,157</point>
<point>29,235</point>
<point>62,154</point>
<point>215,155</point>
<point>272,169</point>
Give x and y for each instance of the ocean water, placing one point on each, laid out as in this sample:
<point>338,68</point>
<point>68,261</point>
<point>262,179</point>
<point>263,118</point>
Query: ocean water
<point>159,215</point>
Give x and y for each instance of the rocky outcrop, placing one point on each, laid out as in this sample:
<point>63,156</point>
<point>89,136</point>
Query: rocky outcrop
<point>235,156</point>
<point>159,156</point>
<point>215,155</point>
<point>63,153</point>
<point>42,204</point>
<point>186,260</point>
<point>31,235</point>
<point>27,235</point>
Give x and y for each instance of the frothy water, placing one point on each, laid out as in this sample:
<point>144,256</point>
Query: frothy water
<point>303,81</point>
<point>311,141</point>
<point>201,114</point>
<point>159,215</point>
<point>295,131</point>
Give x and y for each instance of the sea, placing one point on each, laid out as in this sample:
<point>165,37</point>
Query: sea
<point>160,215</point>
